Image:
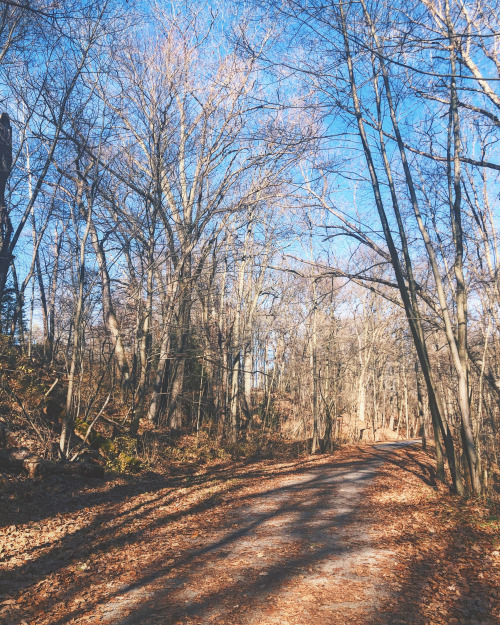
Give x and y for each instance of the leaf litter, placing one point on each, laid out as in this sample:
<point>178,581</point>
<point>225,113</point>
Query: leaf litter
<point>363,536</point>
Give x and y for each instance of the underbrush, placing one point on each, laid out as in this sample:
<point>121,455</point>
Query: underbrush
<point>32,407</point>
<point>168,451</point>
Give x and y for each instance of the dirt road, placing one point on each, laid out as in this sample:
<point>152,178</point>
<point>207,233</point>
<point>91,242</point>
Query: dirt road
<point>364,536</point>
<point>297,553</point>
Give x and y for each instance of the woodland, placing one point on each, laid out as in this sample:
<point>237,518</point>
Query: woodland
<point>230,228</point>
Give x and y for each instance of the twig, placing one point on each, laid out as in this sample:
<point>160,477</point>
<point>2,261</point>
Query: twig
<point>20,403</point>
<point>47,393</point>
<point>115,423</point>
<point>89,429</point>
<point>51,388</point>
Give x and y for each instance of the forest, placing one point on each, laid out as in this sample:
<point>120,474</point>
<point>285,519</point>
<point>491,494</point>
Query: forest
<point>255,221</point>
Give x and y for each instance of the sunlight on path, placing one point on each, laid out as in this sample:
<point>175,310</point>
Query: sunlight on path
<point>299,553</point>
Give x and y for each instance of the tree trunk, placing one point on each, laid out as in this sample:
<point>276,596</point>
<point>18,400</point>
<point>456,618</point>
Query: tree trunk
<point>6,231</point>
<point>108,309</point>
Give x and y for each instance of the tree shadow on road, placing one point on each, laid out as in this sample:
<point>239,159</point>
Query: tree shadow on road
<point>118,529</point>
<point>236,544</point>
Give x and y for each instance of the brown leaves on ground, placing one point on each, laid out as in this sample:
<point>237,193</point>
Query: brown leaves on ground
<point>447,547</point>
<point>70,551</point>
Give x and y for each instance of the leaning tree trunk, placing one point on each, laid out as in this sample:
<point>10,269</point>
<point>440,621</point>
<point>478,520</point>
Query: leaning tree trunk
<point>407,289</point>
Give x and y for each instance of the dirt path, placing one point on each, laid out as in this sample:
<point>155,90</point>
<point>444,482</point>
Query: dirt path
<point>296,553</point>
<point>365,536</point>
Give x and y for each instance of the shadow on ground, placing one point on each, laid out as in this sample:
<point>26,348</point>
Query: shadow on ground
<point>248,544</point>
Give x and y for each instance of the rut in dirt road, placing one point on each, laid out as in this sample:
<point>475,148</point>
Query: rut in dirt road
<point>299,553</point>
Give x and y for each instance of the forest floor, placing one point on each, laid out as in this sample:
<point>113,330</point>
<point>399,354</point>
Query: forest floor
<point>362,536</point>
